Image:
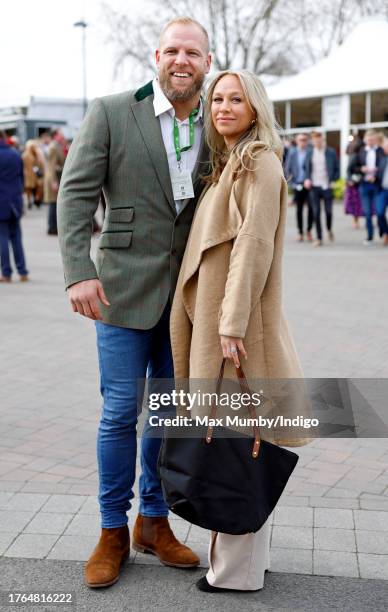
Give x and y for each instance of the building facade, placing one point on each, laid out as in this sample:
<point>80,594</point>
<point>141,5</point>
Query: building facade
<point>342,95</point>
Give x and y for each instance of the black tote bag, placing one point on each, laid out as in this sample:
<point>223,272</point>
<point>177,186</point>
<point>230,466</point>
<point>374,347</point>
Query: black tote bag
<point>222,481</point>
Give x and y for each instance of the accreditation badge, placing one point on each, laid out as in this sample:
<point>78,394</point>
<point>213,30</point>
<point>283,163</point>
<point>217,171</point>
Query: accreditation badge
<point>182,184</point>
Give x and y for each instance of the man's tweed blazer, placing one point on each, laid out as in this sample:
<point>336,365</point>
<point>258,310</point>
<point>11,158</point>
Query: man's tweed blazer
<point>119,149</point>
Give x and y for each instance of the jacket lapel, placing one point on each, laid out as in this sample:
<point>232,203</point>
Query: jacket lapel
<point>221,223</point>
<point>149,127</point>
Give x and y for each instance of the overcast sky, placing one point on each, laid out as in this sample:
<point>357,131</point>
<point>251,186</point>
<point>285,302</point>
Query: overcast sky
<point>40,50</point>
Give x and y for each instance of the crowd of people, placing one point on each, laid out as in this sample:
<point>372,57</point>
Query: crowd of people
<point>312,167</point>
<point>29,177</point>
<point>175,245</point>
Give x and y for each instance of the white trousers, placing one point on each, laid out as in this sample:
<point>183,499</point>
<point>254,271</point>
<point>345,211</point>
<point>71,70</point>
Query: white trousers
<point>239,561</point>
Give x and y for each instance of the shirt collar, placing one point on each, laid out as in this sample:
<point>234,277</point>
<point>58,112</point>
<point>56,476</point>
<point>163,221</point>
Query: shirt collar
<point>163,105</point>
<point>370,148</point>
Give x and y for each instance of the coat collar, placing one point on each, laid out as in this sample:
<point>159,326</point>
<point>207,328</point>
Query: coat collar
<point>223,222</point>
<point>149,126</point>
<point>144,92</point>
<point>219,222</point>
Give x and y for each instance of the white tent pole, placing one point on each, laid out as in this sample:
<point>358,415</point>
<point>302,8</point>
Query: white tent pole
<point>345,130</point>
<point>368,107</point>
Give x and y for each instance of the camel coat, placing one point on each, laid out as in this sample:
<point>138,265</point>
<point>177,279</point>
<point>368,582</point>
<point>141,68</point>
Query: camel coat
<point>54,167</point>
<point>230,283</point>
<point>30,161</point>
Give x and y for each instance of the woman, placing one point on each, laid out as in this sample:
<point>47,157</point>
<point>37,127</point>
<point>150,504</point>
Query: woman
<point>33,162</point>
<point>352,200</point>
<point>228,297</point>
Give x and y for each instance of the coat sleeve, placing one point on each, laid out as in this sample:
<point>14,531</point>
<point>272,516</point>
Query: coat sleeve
<point>82,179</point>
<point>253,248</point>
<point>336,172</point>
<point>307,165</point>
<point>288,166</point>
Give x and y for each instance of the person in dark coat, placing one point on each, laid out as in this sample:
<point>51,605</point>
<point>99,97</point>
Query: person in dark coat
<point>352,199</point>
<point>382,196</point>
<point>11,209</point>
<point>366,164</point>
<point>295,172</point>
<point>322,169</point>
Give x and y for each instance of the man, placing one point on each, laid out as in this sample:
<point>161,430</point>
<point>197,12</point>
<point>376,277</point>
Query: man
<point>382,196</point>
<point>366,163</point>
<point>322,169</point>
<point>44,143</point>
<point>11,209</point>
<point>52,177</point>
<point>144,150</point>
<point>295,172</point>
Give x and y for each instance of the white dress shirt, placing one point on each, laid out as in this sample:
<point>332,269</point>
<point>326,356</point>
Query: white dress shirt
<point>319,174</point>
<point>370,159</point>
<point>385,177</point>
<point>166,113</point>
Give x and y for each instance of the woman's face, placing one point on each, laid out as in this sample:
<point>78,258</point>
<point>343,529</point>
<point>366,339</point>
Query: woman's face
<point>231,113</point>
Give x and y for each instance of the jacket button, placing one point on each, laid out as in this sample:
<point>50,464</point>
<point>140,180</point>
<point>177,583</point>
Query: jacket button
<point>173,251</point>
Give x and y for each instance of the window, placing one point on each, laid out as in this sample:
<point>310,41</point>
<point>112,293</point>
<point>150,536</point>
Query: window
<point>306,113</point>
<point>280,113</point>
<point>357,108</point>
<point>379,106</point>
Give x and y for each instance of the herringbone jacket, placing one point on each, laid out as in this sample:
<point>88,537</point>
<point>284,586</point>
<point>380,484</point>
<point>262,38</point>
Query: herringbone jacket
<point>120,150</point>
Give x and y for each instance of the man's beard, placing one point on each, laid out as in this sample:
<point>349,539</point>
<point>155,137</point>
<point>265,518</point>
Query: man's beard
<point>175,95</point>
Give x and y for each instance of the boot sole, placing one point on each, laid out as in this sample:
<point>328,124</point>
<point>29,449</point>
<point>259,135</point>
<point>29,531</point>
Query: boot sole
<point>149,551</point>
<point>107,584</point>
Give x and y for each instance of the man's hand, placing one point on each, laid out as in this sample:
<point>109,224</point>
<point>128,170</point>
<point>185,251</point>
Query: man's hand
<point>85,296</point>
<point>307,184</point>
<point>230,347</point>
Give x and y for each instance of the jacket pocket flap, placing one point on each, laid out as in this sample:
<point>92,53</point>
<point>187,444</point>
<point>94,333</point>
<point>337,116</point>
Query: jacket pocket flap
<point>121,215</point>
<point>115,240</point>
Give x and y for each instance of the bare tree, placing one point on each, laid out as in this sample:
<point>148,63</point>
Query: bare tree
<point>273,37</point>
<point>245,34</point>
<point>326,23</point>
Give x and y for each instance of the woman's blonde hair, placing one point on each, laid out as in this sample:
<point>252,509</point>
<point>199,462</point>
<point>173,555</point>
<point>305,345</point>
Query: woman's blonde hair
<point>263,130</point>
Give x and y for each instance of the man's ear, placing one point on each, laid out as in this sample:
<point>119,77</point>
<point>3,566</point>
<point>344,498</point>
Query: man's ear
<point>209,63</point>
<point>157,56</point>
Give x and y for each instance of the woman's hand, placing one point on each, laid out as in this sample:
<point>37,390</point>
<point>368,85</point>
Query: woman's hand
<point>230,347</point>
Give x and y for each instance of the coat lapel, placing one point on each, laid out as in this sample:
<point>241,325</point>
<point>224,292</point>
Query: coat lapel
<point>149,127</point>
<point>220,221</point>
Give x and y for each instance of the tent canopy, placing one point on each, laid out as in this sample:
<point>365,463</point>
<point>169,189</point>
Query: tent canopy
<point>358,65</point>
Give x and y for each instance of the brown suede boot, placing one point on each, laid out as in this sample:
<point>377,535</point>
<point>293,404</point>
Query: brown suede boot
<point>103,567</point>
<point>152,534</point>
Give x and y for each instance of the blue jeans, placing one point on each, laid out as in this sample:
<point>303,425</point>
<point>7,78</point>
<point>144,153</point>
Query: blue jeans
<point>126,356</point>
<point>368,193</point>
<point>10,232</point>
<point>316,195</point>
<point>381,207</point>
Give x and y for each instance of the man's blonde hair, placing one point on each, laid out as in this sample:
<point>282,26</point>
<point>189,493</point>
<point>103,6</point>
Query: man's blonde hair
<point>185,21</point>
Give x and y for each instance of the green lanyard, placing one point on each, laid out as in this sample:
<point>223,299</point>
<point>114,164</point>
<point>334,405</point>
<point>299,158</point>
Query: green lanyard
<point>178,149</point>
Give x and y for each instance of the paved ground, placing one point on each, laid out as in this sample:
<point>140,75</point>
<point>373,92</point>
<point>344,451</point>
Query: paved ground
<point>332,520</point>
<point>143,588</point>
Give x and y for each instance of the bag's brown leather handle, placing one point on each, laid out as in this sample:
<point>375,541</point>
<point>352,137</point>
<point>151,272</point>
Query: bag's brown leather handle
<point>245,389</point>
